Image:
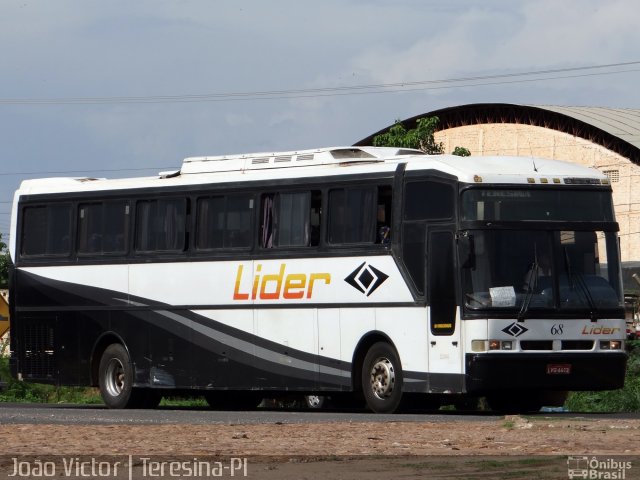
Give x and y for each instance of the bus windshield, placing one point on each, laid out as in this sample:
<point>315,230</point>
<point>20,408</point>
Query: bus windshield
<point>521,271</point>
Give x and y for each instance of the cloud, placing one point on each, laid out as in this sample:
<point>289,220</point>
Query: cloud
<point>238,120</point>
<point>517,36</point>
<point>92,48</point>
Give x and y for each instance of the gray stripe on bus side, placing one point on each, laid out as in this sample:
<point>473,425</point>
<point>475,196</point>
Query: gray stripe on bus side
<point>250,348</point>
<point>254,350</point>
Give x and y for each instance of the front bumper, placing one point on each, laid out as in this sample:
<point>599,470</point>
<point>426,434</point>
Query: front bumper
<point>486,372</point>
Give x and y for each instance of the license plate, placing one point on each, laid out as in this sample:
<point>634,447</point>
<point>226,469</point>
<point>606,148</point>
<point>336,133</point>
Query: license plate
<point>559,369</point>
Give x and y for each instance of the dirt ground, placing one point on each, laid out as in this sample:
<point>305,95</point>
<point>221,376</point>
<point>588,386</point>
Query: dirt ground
<point>520,446</point>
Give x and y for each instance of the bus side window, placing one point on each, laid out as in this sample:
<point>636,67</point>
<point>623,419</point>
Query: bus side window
<point>290,219</point>
<point>352,215</point>
<point>210,223</point>
<point>360,215</point>
<point>46,230</point>
<point>383,215</point>
<point>429,200</point>
<point>161,225</point>
<point>238,225</point>
<point>103,228</point>
<point>34,231</point>
<point>224,222</point>
<point>315,218</point>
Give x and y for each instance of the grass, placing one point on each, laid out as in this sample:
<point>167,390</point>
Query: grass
<point>626,399</point>
<point>198,402</point>
<point>512,467</point>
<point>23,392</point>
<point>509,424</point>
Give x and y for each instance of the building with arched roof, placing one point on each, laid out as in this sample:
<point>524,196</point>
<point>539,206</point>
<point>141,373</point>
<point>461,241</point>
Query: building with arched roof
<point>604,138</point>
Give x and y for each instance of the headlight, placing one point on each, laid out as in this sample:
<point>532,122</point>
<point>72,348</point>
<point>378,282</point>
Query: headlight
<point>491,345</point>
<point>611,345</point>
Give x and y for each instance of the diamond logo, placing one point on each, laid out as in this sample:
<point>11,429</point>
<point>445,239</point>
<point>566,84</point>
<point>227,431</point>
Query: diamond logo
<point>366,278</point>
<point>515,329</point>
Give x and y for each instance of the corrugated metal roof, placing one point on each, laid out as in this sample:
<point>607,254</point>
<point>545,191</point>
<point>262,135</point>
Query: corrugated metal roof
<point>617,129</point>
<point>624,123</point>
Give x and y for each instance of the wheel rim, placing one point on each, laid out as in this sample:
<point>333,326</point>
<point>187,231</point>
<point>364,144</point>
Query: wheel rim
<point>382,378</point>
<point>114,377</point>
<point>313,401</point>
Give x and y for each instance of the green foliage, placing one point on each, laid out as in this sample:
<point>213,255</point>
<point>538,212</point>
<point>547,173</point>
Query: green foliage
<point>195,402</point>
<point>461,152</point>
<point>24,392</point>
<point>4,264</point>
<point>420,137</point>
<point>626,399</point>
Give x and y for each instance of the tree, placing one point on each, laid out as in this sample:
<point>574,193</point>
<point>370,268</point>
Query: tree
<point>461,152</point>
<point>4,264</point>
<point>420,137</point>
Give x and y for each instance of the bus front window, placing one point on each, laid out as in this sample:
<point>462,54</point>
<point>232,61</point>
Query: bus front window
<point>523,271</point>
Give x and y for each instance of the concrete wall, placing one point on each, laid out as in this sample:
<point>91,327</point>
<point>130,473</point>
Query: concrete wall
<point>527,140</point>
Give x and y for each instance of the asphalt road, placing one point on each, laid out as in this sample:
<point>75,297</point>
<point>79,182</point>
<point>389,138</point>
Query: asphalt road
<point>11,413</point>
<point>99,415</point>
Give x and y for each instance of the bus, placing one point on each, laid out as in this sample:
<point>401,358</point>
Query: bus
<point>372,274</point>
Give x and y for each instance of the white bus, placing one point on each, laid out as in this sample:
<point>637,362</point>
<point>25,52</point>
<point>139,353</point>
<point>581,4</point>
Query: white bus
<point>377,273</point>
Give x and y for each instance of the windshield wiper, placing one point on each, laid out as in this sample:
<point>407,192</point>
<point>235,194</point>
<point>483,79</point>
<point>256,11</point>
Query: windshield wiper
<point>583,286</point>
<point>587,293</point>
<point>532,283</point>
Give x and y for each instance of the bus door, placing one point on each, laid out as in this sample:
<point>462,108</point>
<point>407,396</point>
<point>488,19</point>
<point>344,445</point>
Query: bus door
<point>445,349</point>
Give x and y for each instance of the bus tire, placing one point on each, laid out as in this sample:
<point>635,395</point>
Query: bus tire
<point>382,378</point>
<point>115,377</point>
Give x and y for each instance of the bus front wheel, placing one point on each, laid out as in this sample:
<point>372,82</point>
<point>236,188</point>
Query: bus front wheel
<point>116,377</point>
<point>382,378</point>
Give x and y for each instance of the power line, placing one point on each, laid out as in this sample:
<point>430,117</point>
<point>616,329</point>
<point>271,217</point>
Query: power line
<point>460,82</point>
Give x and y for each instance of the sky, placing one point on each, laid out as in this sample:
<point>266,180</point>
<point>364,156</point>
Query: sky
<point>125,88</point>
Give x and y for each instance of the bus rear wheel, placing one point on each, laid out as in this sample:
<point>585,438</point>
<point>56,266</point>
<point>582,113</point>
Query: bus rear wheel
<point>115,377</point>
<point>382,378</point>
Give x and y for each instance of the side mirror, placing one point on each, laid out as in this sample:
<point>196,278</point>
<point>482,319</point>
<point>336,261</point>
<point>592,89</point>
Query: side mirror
<point>466,251</point>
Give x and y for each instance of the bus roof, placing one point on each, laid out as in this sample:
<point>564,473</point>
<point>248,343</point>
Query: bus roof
<point>333,161</point>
